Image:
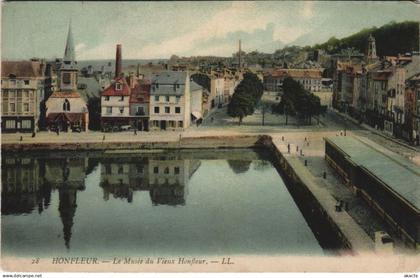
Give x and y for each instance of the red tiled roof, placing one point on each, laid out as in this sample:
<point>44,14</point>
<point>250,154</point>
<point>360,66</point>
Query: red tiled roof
<point>140,91</point>
<point>73,94</point>
<point>111,91</point>
<point>382,76</point>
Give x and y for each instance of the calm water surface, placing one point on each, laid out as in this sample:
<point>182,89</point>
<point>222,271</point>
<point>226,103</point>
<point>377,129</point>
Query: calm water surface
<point>171,203</point>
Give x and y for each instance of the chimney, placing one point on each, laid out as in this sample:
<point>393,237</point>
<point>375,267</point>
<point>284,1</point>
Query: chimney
<point>131,80</point>
<point>118,61</point>
<point>239,56</point>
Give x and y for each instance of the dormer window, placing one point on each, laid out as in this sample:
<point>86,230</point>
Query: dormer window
<point>118,86</point>
<point>122,98</point>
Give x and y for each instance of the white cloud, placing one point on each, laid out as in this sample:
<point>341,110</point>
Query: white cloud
<point>238,17</point>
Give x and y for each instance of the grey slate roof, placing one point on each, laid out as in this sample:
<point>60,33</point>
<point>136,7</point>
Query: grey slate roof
<point>399,174</point>
<point>165,83</point>
<point>194,86</point>
<point>93,88</point>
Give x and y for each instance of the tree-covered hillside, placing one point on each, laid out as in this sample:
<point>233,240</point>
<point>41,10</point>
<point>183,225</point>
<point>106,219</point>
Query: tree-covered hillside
<point>391,39</point>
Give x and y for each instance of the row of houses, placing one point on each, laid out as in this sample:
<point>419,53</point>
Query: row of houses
<point>311,79</point>
<point>54,95</point>
<point>383,92</point>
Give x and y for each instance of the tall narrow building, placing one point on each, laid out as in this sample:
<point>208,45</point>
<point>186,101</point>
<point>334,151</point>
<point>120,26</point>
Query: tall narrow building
<point>66,109</point>
<point>371,50</point>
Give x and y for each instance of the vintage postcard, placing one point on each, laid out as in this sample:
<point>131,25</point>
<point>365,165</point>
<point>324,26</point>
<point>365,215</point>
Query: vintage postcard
<point>229,136</point>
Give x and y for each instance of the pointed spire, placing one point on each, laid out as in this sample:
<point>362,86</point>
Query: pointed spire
<point>69,53</point>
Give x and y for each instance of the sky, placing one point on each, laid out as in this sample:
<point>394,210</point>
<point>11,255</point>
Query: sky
<point>151,30</point>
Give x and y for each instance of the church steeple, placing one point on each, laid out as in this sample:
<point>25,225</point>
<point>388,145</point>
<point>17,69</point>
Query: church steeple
<point>69,51</point>
<point>68,69</point>
<point>371,50</point>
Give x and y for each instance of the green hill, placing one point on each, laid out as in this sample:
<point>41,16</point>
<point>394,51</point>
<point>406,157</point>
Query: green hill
<point>391,39</point>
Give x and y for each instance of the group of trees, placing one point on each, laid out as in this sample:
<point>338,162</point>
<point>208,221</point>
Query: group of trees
<point>296,101</point>
<point>388,39</point>
<point>246,97</point>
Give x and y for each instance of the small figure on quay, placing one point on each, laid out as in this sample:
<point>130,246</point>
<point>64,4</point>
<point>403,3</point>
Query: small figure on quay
<point>288,148</point>
<point>297,148</point>
<point>211,119</point>
<point>57,131</point>
<point>21,138</point>
<point>33,134</point>
<point>305,139</point>
<point>301,153</point>
<point>135,131</point>
<point>103,138</point>
<point>282,138</point>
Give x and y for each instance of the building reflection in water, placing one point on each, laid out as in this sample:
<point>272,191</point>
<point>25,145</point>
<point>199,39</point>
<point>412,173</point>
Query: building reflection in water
<point>165,177</point>
<point>28,182</point>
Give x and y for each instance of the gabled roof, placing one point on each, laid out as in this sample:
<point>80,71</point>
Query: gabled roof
<point>21,69</point>
<point>111,89</point>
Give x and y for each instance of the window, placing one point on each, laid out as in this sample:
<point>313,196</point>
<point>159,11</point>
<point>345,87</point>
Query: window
<point>66,105</point>
<point>108,169</point>
<point>12,107</point>
<point>12,82</point>
<point>172,123</point>
<point>118,86</point>
<point>66,78</point>
<point>26,124</point>
<point>26,93</point>
<point>166,171</point>
<point>122,98</point>
<point>10,124</point>
<point>167,109</point>
<point>121,109</point>
<point>156,110</point>
<point>167,98</point>
<point>140,110</point>
<point>26,107</point>
<point>139,169</point>
<point>180,124</point>
<point>177,110</point>
<point>120,169</point>
<point>176,170</point>
<point>156,98</point>
<point>177,98</point>
<point>26,82</point>
<point>156,170</point>
<point>109,110</point>
<point>155,123</point>
<point>12,94</point>
<point>106,98</point>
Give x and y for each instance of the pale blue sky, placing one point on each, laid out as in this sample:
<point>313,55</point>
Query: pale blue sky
<point>159,29</point>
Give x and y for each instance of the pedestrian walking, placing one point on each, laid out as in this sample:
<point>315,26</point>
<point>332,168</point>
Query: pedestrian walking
<point>297,148</point>
<point>288,148</point>
<point>57,131</point>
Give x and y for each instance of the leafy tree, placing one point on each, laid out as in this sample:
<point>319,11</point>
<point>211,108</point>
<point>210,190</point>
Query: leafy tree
<point>202,79</point>
<point>246,97</point>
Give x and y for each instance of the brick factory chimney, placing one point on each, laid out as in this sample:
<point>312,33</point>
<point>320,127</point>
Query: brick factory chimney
<point>118,61</point>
